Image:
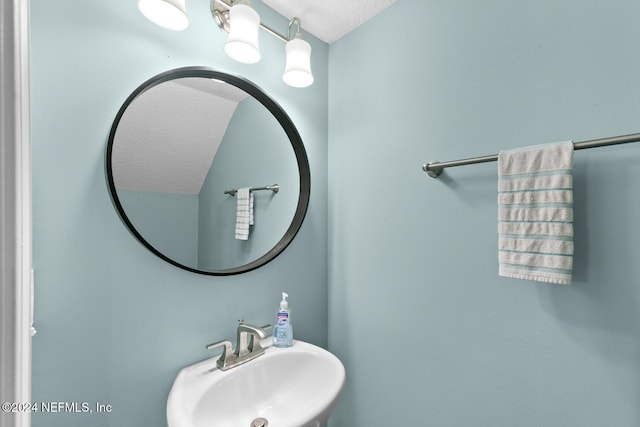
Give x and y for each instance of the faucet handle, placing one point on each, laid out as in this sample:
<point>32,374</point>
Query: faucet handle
<point>227,346</point>
<point>227,353</point>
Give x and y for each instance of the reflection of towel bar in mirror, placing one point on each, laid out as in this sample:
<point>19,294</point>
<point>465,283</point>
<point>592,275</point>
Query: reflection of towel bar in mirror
<point>274,188</point>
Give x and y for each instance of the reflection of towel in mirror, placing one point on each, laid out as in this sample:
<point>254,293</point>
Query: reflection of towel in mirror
<point>250,207</point>
<point>244,213</point>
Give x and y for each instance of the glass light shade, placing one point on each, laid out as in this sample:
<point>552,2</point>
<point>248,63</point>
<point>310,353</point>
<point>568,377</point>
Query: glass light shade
<point>170,14</point>
<point>242,44</point>
<point>297,71</point>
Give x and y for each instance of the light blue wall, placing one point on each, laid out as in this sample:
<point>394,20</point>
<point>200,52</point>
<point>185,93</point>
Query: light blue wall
<point>115,323</point>
<point>429,334</point>
<point>167,221</point>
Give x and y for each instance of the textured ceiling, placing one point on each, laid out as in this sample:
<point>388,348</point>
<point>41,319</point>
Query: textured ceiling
<point>329,20</point>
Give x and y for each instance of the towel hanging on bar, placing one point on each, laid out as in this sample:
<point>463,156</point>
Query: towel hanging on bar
<point>535,213</point>
<point>243,214</point>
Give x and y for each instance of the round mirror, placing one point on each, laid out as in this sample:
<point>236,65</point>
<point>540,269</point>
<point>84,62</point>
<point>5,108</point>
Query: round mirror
<point>207,171</point>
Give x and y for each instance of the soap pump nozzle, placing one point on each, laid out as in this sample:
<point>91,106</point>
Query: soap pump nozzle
<point>284,304</point>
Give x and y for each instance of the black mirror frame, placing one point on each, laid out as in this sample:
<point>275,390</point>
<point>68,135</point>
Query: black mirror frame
<point>278,113</point>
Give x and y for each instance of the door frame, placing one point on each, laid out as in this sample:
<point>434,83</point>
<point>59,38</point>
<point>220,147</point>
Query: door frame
<point>16,283</point>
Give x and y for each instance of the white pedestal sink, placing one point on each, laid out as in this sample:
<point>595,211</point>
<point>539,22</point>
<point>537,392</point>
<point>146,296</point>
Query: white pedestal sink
<point>297,386</point>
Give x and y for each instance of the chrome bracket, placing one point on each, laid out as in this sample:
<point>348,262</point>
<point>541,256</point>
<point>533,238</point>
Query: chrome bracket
<point>432,169</point>
<point>220,13</point>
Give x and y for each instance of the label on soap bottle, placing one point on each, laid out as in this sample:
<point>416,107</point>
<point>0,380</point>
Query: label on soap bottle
<point>282,318</point>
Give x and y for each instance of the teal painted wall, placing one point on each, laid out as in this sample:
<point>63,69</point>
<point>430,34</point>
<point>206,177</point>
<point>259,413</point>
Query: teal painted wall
<point>428,332</point>
<point>169,222</point>
<point>116,323</point>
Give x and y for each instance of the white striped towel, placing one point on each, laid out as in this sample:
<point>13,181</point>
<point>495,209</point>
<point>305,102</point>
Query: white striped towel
<point>535,213</point>
<point>250,207</point>
<point>244,213</point>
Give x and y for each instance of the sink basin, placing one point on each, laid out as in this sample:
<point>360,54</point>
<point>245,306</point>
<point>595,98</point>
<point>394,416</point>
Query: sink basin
<point>297,386</point>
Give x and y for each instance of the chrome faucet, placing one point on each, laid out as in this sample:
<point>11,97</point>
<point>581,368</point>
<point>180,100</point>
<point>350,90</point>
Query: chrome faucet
<point>247,347</point>
<point>249,339</point>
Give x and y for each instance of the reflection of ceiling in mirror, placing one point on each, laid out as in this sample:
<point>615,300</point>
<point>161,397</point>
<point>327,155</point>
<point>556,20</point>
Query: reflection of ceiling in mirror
<point>168,136</point>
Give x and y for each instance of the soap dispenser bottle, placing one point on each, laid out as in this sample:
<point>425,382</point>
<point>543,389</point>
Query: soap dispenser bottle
<point>283,332</point>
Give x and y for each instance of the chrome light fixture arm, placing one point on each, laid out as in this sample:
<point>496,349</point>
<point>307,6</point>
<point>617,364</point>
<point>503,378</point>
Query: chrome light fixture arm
<point>220,12</point>
<point>242,23</point>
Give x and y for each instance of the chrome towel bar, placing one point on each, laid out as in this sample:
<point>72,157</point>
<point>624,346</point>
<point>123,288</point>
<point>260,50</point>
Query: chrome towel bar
<point>275,188</point>
<point>434,169</point>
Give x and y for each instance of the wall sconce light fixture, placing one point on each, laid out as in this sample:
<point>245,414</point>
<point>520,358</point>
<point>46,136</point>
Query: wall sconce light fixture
<point>244,25</point>
<point>170,14</point>
<point>241,22</point>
